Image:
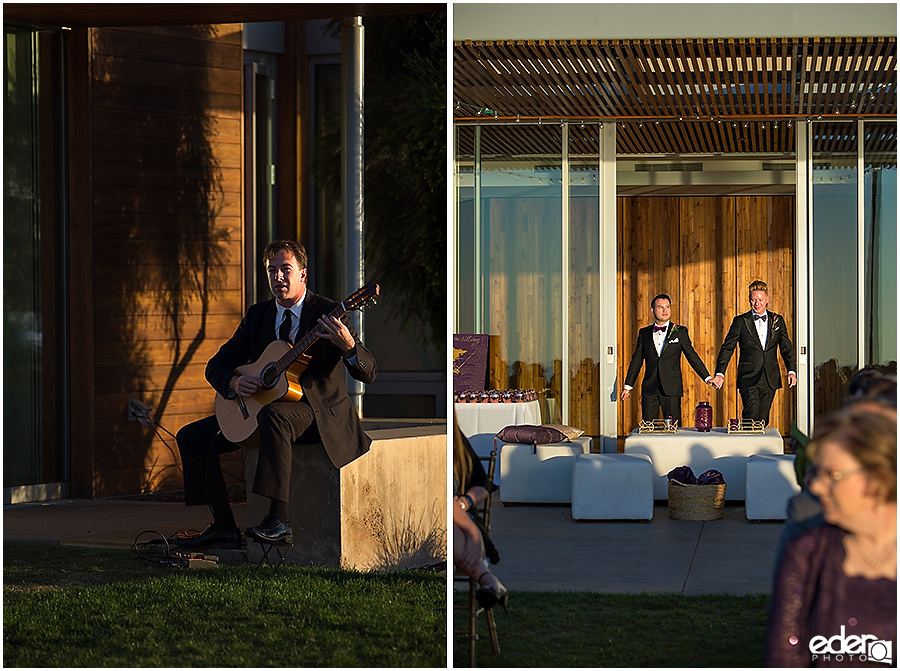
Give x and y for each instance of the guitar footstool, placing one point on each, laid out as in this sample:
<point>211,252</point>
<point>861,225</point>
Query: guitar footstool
<point>281,549</point>
<point>612,487</point>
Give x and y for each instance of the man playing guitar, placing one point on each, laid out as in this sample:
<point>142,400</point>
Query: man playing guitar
<point>324,408</point>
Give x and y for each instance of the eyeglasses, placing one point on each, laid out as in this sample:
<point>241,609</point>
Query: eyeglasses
<point>832,477</point>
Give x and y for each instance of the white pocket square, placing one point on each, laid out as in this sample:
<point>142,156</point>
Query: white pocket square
<point>673,341</point>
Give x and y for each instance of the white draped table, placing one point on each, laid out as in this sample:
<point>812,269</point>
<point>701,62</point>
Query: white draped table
<point>717,449</point>
<point>480,422</point>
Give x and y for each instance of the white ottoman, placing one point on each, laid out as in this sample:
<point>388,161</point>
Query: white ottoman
<point>612,487</point>
<point>771,483</point>
<point>539,474</point>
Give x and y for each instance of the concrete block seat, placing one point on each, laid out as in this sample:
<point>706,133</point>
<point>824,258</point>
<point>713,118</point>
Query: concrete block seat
<point>612,487</point>
<point>771,483</point>
<point>539,473</point>
<point>386,510</point>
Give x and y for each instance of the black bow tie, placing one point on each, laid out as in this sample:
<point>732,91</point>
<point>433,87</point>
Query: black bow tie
<point>762,317</point>
<point>657,329</point>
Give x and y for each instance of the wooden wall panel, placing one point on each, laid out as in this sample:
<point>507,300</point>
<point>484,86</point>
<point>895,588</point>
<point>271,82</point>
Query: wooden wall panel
<point>703,252</point>
<point>167,239</point>
<point>585,314</point>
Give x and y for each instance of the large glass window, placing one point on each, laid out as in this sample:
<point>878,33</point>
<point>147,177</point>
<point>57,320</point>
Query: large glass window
<point>520,249</point>
<point>880,202</point>
<point>521,256</point>
<point>34,268</point>
<point>835,304</point>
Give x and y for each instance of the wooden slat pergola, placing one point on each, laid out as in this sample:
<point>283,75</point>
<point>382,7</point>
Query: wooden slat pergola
<point>677,96</point>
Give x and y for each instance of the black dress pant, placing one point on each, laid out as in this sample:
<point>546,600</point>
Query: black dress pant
<point>651,404</point>
<point>757,401</point>
<point>201,443</point>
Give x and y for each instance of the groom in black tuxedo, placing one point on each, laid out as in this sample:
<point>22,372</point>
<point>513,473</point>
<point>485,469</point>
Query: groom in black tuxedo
<point>661,345</point>
<point>760,334</point>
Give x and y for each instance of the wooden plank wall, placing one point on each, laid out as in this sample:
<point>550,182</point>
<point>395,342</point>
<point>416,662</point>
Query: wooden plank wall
<point>703,252</point>
<point>166,108</point>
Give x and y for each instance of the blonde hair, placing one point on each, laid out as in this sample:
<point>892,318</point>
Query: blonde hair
<point>871,438</point>
<point>759,285</point>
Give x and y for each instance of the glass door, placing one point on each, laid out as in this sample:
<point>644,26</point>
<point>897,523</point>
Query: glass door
<point>35,370</point>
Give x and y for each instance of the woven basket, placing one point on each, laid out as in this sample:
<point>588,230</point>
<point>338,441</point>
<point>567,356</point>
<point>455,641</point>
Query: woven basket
<point>696,502</point>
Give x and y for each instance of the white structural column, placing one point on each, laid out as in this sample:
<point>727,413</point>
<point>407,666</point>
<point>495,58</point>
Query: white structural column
<point>608,260</point>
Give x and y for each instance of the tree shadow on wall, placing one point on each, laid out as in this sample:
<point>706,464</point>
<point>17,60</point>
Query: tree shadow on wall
<point>158,195</point>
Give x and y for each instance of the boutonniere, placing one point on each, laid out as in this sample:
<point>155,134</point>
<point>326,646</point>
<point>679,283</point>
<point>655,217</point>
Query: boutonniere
<point>674,328</point>
<point>775,325</point>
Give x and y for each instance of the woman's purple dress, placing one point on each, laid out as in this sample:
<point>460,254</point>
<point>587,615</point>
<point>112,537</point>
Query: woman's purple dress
<point>813,598</point>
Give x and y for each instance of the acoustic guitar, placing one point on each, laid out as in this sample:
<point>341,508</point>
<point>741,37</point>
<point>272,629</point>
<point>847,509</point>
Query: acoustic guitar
<point>279,367</point>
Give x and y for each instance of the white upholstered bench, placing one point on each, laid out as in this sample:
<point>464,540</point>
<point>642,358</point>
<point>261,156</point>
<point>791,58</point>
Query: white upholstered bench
<point>612,487</point>
<point>539,473</point>
<point>771,483</point>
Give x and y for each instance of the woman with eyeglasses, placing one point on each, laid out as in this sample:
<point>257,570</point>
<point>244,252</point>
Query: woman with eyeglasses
<point>835,594</point>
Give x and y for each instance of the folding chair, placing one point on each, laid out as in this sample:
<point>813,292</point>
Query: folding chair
<point>472,606</point>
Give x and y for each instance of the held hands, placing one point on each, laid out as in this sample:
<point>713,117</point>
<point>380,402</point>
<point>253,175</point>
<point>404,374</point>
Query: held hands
<point>336,332</point>
<point>717,381</point>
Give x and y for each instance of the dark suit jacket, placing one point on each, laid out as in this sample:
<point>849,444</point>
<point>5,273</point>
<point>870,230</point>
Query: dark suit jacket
<point>323,381</point>
<point>754,364</point>
<point>663,372</point>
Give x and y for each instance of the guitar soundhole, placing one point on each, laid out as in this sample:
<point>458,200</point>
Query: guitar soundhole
<point>269,376</point>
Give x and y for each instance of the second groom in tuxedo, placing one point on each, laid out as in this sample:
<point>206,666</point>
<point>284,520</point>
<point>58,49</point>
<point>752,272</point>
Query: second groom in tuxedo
<point>661,345</point>
<point>760,334</point>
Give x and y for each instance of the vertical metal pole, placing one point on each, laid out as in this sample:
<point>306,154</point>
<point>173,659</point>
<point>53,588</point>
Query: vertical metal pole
<point>861,244</point>
<point>479,270</point>
<point>564,322</point>
<point>803,278</point>
<point>352,176</point>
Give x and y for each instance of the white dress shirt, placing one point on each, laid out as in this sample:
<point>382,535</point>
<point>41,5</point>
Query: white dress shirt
<point>296,310</point>
<point>762,328</point>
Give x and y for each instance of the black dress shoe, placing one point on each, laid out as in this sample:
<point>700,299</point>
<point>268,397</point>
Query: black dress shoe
<point>213,538</point>
<point>271,530</point>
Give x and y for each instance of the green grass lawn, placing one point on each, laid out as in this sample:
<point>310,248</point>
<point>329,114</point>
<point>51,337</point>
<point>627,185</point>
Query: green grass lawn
<point>564,629</point>
<point>81,607</point>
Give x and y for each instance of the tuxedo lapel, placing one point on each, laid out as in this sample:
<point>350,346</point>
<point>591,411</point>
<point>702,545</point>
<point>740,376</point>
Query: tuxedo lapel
<point>267,319</point>
<point>770,330</point>
<point>751,329</point>
<point>665,339</point>
<point>649,346</point>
